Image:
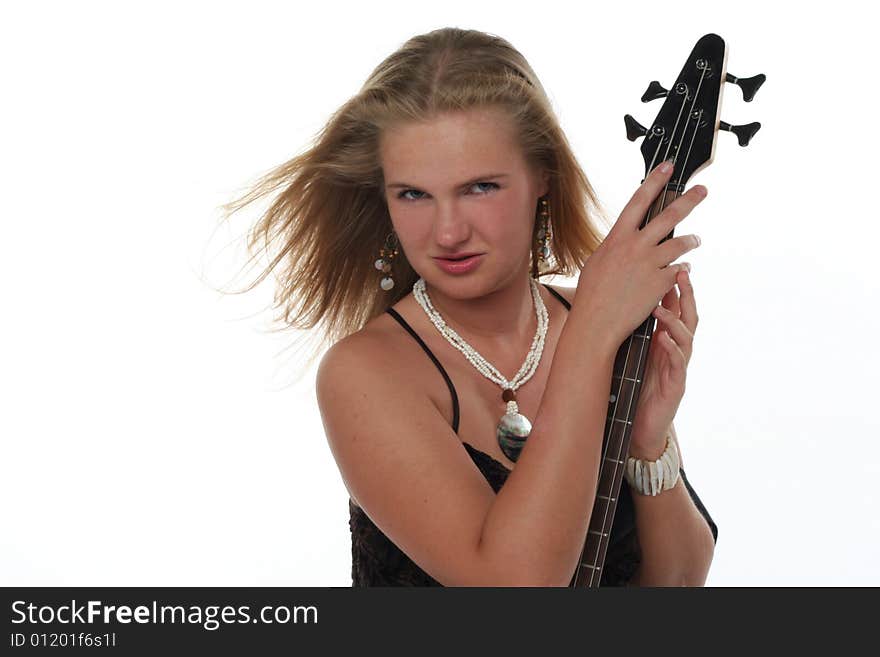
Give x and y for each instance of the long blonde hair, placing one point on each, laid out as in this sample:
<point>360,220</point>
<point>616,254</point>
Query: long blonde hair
<point>331,218</point>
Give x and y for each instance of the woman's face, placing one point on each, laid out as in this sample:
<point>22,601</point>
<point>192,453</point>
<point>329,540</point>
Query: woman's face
<point>460,185</point>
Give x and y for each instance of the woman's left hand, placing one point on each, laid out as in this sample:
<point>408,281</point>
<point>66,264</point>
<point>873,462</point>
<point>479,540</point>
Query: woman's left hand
<point>666,370</point>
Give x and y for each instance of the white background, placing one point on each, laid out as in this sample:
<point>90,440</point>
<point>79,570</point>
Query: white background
<point>155,433</point>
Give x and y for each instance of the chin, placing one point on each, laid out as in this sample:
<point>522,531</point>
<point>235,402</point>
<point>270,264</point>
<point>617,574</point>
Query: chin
<point>460,287</point>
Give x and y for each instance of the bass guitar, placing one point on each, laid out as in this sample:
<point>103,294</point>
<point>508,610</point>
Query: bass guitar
<point>683,131</point>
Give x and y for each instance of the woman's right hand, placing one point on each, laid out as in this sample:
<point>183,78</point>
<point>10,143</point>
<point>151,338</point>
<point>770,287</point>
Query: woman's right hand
<point>630,272</point>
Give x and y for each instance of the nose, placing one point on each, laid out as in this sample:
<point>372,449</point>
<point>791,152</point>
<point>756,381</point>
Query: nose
<point>451,228</point>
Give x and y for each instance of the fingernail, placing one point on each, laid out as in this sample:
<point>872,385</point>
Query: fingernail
<point>666,167</point>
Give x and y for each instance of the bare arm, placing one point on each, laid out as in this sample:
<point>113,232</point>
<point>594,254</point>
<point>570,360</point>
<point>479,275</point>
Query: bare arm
<point>405,467</point>
<point>538,523</point>
<point>676,541</point>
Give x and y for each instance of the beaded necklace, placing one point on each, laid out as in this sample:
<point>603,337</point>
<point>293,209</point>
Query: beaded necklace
<point>513,427</point>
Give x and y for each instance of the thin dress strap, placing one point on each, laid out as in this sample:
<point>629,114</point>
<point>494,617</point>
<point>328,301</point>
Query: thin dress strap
<point>558,296</point>
<point>411,331</point>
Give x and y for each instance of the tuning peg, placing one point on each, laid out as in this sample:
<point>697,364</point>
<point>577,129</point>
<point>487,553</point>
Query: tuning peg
<point>655,90</point>
<point>749,86</point>
<point>744,133</point>
<point>634,129</point>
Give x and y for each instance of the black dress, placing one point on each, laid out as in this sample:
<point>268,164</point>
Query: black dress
<point>377,561</point>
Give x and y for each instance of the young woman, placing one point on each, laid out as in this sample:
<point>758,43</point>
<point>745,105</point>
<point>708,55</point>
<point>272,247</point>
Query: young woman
<point>464,402</point>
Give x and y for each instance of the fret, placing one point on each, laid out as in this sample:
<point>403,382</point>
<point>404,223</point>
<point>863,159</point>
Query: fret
<point>591,566</point>
<point>618,461</point>
<point>617,419</point>
<point>625,378</point>
<point>598,533</point>
<point>608,476</point>
<point>605,497</point>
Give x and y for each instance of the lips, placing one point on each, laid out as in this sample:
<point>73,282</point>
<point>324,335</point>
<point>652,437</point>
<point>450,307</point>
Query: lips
<point>461,263</point>
<point>454,258</point>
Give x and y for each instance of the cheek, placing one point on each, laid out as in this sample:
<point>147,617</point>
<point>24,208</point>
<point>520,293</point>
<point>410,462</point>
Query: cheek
<point>512,222</point>
<point>412,232</point>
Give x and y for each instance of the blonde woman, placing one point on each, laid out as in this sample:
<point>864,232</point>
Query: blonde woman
<point>464,402</point>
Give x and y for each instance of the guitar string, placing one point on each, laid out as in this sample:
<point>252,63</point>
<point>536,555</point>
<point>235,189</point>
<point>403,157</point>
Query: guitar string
<point>605,529</point>
<point>657,209</point>
<point>684,131</point>
<point>698,122</point>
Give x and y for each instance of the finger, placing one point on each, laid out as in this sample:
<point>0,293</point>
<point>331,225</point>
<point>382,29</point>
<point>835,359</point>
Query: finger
<point>676,355</point>
<point>635,210</point>
<point>671,272</point>
<point>681,334</point>
<point>670,299</point>
<point>688,302</point>
<point>661,225</point>
<point>672,249</point>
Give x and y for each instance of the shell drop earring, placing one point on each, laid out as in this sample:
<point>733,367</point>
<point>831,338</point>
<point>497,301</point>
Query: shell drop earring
<point>386,257</point>
<point>541,253</point>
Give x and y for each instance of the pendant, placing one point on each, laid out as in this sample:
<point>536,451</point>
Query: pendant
<point>513,428</point>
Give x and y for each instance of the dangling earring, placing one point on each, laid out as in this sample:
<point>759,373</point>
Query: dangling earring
<point>544,235</point>
<point>386,257</point>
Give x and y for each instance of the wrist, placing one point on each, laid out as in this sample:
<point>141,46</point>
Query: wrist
<point>653,476</point>
<point>647,452</point>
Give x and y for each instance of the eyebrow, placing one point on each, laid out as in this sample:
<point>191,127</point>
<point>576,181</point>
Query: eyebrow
<point>487,176</point>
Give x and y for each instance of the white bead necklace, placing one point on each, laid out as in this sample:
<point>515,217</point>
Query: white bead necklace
<point>513,428</point>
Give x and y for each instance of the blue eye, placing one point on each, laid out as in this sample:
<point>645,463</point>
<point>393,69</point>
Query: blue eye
<point>493,185</point>
<point>403,194</point>
<point>407,191</point>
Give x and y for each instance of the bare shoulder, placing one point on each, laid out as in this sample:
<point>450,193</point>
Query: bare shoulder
<point>353,353</point>
<point>349,373</point>
<point>360,355</point>
<point>400,460</point>
<point>355,377</point>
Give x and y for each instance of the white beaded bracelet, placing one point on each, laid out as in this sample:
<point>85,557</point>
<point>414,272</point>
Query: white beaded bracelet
<point>653,477</point>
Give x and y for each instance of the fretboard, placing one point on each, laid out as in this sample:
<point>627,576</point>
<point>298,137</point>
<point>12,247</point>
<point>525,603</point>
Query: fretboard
<point>626,383</point>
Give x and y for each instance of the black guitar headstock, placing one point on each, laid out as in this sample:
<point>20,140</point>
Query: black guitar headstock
<point>685,128</point>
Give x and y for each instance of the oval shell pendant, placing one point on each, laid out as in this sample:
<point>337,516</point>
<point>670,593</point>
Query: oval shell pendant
<point>513,429</point>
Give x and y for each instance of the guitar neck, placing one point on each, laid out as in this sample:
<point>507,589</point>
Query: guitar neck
<point>626,383</point>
